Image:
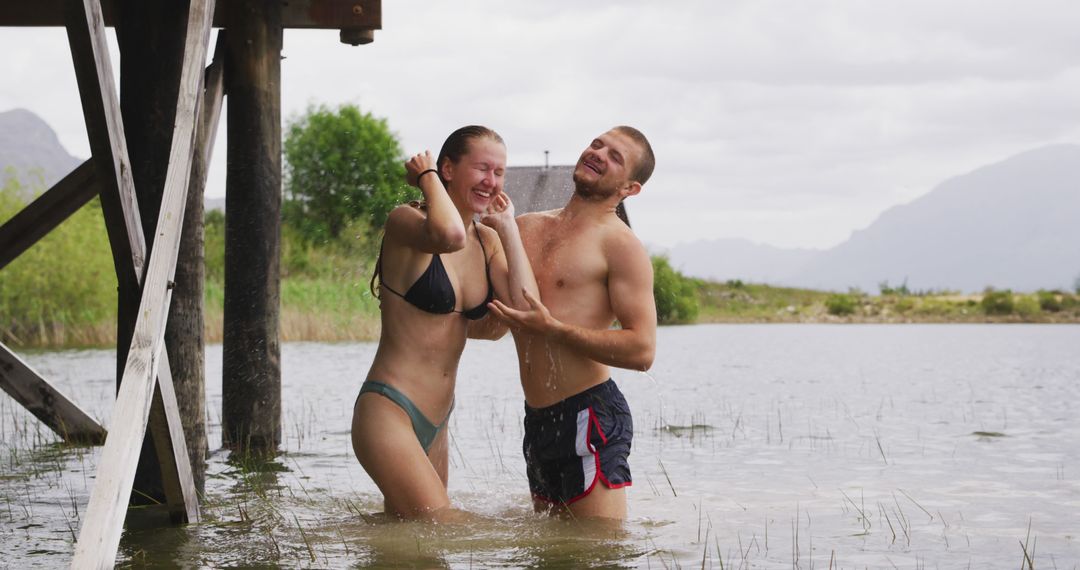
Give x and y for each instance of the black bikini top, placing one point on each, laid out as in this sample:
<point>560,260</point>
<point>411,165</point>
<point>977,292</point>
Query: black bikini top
<point>433,293</point>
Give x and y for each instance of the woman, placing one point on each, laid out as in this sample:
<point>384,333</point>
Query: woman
<point>437,271</point>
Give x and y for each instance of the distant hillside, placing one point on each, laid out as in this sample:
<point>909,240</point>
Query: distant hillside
<point>724,259</point>
<point>1013,224</point>
<point>30,147</point>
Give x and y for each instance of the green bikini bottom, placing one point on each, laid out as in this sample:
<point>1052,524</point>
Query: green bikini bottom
<point>425,431</point>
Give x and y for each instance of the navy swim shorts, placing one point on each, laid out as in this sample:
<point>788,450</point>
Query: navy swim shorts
<point>571,445</point>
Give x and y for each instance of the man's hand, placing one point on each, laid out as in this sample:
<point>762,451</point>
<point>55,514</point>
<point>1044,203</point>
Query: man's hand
<point>536,319</point>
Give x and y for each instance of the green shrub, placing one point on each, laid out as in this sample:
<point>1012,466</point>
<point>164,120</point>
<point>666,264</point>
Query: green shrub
<point>214,245</point>
<point>900,291</point>
<point>997,302</point>
<point>904,304</point>
<point>1050,301</point>
<point>675,294</point>
<point>841,304</point>
<point>1026,306</point>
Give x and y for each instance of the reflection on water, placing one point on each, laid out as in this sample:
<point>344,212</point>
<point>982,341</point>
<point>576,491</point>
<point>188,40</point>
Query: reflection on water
<point>757,446</point>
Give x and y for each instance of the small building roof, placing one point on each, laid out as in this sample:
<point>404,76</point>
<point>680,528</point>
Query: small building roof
<point>541,188</point>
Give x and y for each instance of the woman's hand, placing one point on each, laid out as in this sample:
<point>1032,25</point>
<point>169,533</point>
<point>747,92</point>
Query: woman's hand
<point>416,165</point>
<point>500,212</point>
<point>536,319</point>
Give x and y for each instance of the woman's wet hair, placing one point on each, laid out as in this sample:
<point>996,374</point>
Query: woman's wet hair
<point>455,147</point>
<point>457,144</point>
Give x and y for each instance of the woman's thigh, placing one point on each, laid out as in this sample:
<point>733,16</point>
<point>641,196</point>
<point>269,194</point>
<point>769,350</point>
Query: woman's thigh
<point>439,454</point>
<point>385,444</point>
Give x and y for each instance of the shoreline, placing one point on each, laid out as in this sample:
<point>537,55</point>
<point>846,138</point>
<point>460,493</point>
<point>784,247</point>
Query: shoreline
<point>298,326</point>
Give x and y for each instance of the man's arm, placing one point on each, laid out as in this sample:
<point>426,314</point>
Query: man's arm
<point>630,289</point>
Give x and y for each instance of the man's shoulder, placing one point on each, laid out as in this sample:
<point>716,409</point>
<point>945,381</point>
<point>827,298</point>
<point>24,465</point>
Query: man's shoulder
<point>620,241</point>
<point>539,216</point>
<point>537,220</point>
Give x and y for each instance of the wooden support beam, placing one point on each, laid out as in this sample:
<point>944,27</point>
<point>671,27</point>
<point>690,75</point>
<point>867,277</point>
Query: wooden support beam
<point>167,430</point>
<point>211,111</point>
<point>105,130</point>
<point>49,210</point>
<point>47,403</point>
<point>119,202</point>
<point>324,14</point>
<point>102,526</point>
<point>251,350</point>
<point>185,334</point>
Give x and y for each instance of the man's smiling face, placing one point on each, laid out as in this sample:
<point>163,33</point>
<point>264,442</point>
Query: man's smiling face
<point>604,167</point>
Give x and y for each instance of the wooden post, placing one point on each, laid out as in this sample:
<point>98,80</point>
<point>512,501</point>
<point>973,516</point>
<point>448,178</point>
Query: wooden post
<point>49,210</point>
<point>151,39</point>
<point>184,333</point>
<point>99,536</point>
<point>47,404</point>
<point>251,384</point>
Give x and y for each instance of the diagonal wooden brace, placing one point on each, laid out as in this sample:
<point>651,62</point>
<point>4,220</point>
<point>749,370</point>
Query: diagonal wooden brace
<point>102,526</point>
<point>49,210</point>
<point>47,403</point>
<point>104,126</point>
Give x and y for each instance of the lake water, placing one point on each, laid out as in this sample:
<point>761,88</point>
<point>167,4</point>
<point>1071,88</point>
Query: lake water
<point>771,446</point>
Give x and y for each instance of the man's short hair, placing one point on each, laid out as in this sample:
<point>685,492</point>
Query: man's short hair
<point>643,168</point>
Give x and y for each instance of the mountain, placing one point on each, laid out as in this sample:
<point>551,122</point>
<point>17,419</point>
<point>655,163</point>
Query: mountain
<point>1013,224</point>
<point>31,151</point>
<point>724,259</point>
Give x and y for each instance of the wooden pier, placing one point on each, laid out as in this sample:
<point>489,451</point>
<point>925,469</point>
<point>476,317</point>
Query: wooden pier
<point>151,195</point>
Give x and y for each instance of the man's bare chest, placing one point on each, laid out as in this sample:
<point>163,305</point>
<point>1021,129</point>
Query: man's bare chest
<point>564,264</point>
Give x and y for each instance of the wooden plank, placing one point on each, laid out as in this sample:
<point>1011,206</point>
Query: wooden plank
<point>48,404</point>
<point>103,524</point>
<point>214,95</point>
<point>49,210</point>
<point>172,453</point>
<point>105,130</point>
<point>324,14</point>
<point>151,38</point>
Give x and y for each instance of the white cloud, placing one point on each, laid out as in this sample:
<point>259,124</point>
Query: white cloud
<point>787,122</point>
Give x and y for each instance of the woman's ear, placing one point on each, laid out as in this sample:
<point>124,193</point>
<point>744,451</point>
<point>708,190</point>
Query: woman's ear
<point>446,170</point>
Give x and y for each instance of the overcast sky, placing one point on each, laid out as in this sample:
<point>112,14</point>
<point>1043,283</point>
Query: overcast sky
<point>790,123</point>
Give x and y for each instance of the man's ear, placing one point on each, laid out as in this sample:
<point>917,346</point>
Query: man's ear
<point>632,188</point>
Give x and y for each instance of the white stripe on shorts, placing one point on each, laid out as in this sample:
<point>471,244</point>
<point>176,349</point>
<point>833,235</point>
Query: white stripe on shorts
<point>588,461</point>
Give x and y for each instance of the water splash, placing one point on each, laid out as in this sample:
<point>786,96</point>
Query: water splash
<point>662,421</point>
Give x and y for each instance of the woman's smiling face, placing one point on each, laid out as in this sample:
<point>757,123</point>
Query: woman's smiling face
<point>478,177</point>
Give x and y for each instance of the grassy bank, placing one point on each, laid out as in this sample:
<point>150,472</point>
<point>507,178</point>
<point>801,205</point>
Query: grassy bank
<point>738,302</point>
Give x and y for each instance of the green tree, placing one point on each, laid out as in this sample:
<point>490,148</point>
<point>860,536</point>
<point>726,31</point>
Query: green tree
<point>66,279</point>
<point>341,165</point>
<point>675,294</point>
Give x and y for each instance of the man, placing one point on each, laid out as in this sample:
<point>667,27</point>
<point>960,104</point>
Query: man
<point>591,272</point>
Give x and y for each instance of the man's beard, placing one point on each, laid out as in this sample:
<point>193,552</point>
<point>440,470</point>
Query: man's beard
<point>591,191</point>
